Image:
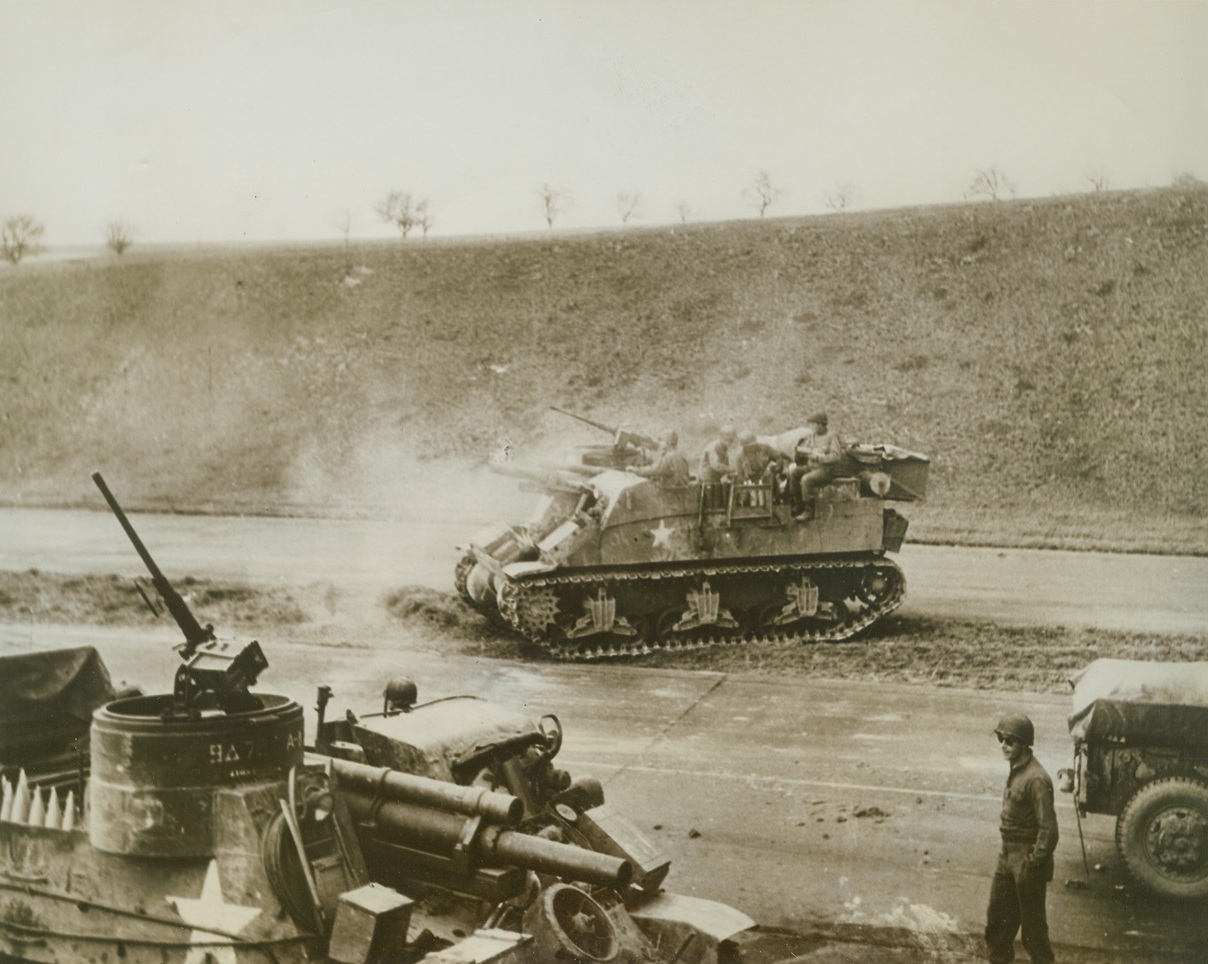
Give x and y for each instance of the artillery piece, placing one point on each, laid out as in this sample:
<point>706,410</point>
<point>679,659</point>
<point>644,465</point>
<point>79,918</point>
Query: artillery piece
<point>613,564</point>
<point>197,826</point>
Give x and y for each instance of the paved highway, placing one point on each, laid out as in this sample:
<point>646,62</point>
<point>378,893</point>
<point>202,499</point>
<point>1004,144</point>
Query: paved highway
<point>797,802</point>
<point>1018,586</point>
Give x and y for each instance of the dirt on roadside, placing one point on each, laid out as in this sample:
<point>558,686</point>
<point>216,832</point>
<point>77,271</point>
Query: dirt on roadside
<point>899,649</point>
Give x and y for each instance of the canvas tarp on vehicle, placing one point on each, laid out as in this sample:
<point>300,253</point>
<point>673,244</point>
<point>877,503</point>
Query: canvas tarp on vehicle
<point>1140,702</point>
<point>47,700</point>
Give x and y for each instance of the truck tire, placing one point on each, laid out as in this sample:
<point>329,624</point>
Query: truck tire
<point>1162,836</point>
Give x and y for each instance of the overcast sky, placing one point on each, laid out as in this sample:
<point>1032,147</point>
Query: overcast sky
<point>222,121</point>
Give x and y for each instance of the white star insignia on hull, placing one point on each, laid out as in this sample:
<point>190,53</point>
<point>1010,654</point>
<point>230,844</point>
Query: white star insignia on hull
<point>662,535</point>
<point>211,910</point>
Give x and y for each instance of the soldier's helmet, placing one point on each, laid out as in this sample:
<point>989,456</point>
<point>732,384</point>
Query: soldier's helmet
<point>728,433</point>
<point>1018,726</point>
<point>747,437</point>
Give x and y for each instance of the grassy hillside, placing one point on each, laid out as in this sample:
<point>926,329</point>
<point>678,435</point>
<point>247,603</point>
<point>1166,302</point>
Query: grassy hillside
<point>1048,355</point>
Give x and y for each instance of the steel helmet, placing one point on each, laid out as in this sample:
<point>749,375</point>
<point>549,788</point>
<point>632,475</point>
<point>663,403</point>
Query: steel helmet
<point>1018,726</point>
<point>399,694</point>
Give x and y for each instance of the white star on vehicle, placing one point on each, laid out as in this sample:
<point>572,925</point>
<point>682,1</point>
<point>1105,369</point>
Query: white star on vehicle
<point>662,535</point>
<point>210,910</point>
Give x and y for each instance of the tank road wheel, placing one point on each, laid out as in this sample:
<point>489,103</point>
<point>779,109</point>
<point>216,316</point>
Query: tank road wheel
<point>664,626</point>
<point>603,628</point>
<point>763,619</point>
<point>1162,836</point>
<point>799,609</point>
<point>670,638</point>
<point>835,615</point>
<point>878,584</point>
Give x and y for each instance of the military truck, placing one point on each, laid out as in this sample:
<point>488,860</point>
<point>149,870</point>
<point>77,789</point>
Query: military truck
<point>1140,732</point>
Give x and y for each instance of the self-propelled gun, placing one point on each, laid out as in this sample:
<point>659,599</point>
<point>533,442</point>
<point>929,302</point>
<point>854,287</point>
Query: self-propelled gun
<point>612,564</point>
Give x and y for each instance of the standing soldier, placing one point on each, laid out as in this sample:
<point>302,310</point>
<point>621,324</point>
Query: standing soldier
<point>1025,865</point>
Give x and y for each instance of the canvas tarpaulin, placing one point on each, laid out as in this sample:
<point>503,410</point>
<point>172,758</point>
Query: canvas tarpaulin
<point>47,700</point>
<point>1141,702</point>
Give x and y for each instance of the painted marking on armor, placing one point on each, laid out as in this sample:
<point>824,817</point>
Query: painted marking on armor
<point>227,753</point>
<point>662,535</point>
<point>212,910</point>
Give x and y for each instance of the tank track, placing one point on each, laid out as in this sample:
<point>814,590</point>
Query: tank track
<point>460,576</point>
<point>521,604</point>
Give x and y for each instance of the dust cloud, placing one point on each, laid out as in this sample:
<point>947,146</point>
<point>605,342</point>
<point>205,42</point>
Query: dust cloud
<point>380,475</point>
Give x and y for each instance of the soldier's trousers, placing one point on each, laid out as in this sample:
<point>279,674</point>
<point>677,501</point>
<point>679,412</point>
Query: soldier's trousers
<point>1017,903</point>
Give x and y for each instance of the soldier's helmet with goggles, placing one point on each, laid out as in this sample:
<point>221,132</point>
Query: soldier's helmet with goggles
<point>1018,726</point>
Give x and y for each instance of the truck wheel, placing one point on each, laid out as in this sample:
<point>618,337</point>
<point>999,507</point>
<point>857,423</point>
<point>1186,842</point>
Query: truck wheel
<point>568,925</point>
<point>1162,836</point>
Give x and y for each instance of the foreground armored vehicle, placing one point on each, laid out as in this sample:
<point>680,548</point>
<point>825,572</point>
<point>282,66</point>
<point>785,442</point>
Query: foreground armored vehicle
<point>197,826</point>
<point>612,564</point>
<point>1140,732</point>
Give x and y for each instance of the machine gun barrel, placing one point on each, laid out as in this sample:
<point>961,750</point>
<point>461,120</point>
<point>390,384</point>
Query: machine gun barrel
<point>396,785</point>
<point>585,420</point>
<point>195,633</point>
<point>450,836</point>
<point>620,437</point>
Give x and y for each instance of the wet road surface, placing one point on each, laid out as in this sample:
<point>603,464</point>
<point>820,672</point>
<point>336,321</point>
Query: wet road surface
<point>799,803</point>
<point>1167,594</point>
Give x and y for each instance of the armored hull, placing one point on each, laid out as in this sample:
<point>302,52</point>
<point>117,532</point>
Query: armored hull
<point>617,564</point>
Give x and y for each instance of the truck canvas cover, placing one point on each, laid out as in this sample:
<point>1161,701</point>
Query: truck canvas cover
<point>1140,702</point>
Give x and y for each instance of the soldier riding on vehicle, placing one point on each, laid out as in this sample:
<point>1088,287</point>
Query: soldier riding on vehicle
<point>669,465</point>
<point>817,458</point>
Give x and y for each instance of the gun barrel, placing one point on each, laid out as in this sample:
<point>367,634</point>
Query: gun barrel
<point>194,633</point>
<point>409,788</point>
<point>556,479</point>
<point>445,834</point>
<point>582,418</point>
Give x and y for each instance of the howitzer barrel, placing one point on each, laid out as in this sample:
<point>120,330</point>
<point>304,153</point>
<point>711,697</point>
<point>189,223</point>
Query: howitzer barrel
<point>444,834</point>
<point>409,788</point>
<point>556,479</point>
<point>552,857</point>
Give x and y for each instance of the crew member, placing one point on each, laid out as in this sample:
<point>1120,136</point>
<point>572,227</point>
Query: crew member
<point>719,460</point>
<point>817,457</point>
<point>1028,826</point>
<point>760,462</point>
<point>669,466</point>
